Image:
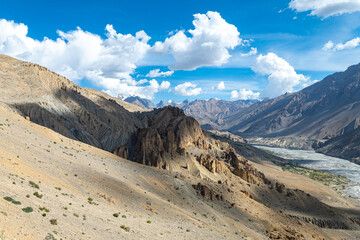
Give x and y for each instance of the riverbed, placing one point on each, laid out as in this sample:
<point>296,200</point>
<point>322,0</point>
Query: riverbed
<point>312,160</point>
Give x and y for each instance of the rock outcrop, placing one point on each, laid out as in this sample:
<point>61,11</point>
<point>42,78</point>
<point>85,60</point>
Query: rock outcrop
<point>168,133</point>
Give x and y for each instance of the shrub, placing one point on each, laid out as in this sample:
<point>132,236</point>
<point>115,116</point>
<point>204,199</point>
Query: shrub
<point>148,221</point>
<point>10,199</point>
<point>44,209</point>
<point>34,185</point>
<point>53,221</point>
<point>127,229</point>
<point>36,194</point>
<point>28,209</point>
<point>116,215</point>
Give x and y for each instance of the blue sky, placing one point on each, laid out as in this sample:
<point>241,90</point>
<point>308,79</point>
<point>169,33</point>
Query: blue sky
<point>256,48</point>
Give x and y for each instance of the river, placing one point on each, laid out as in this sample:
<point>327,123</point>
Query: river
<point>311,159</point>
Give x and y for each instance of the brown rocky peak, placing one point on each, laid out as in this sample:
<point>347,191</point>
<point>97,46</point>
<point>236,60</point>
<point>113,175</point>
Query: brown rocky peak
<point>169,132</point>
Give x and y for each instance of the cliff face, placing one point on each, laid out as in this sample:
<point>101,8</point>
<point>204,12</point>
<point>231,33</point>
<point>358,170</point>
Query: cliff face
<point>168,132</point>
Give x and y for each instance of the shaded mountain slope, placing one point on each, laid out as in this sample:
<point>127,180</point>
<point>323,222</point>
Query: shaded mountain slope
<point>53,101</point>
<point>324,110</point>
<point>345,146</point>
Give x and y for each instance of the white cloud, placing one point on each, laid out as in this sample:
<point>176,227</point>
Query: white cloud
<point>107,62</point>
<point>325,8</point>
<point>282,77</point>
<point>253,51</point>
<point>220,86</point>
<point>208,45</point>
<point>328,46</point>
<point>156,73</point>
<point>125,88</point>
<point>187,89</point>
<point>351,44</point>
<point>244,94</point>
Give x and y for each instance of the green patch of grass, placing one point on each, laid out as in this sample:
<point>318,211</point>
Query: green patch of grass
<point>58,188</point>
<point>325,178</point>
<point>27,209</point>
<point>148,221</point>
<point>76,215</point>
<point>116,215</point>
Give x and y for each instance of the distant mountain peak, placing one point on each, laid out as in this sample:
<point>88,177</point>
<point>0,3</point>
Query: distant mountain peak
<point>141,102</point>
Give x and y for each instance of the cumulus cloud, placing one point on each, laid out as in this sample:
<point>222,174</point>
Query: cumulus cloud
<point>282,77</point>
<point>253,51</point>
<point>325,8</point>
<point>187,89</point>
<point>107,62</point>
<point>156,73</point>
<point>220,86</point>
<point>244,94</point>
<point>353,43</point>
<point>208,44</point>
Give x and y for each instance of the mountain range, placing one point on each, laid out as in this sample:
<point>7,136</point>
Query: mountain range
<point>78,163</point>
<point>210,113</point>
<point>324,116</point>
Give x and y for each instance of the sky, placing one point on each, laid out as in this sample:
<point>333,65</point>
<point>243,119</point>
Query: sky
<point>177,50</point>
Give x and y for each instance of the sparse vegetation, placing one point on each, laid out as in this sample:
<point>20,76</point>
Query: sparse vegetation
<point>116,215</point>
<point>27,209</point>
<point>36,194</point>
<point>127,229</point>
<point>34,185</point>
<point>53,221</point>
<point>44,209</point>
<point>148,221</point>
<point>325,178</point>
<point>50,237</point>
<point>10,199</point>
